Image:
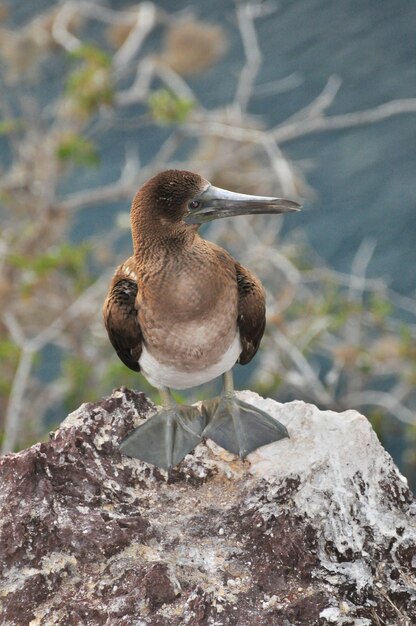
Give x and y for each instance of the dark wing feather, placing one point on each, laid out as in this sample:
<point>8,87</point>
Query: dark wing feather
<point>120,318</point>
<point>251,313</point>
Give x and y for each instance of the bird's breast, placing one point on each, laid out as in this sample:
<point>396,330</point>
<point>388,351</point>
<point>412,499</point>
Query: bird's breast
<point>189,316</point>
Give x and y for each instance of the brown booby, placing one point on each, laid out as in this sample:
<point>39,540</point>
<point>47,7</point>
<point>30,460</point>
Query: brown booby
<point>182,311</point>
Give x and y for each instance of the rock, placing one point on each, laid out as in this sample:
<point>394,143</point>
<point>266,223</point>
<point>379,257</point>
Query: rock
<point>314,530</point>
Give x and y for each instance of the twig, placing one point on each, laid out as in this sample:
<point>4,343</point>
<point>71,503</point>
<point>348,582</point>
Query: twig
<point>175,82</point>
<point>308,378</point>
<point>382,399</point>
<point>16,400</point>
<point>288,132</point>
<point>320,104</point>
<point>4,248</point>
<point>324,273</point>
<point>359,267</point>
<point>120,190</point>
<point>140,88</point>
<point>402,616</point>
<point>245,19</point>
<point>91,294</point>
<point>356,288</point>
<point>275,87</point>
<point>60,25</point>
<point>145,22</point>
<point>29,347</point>
<point>14,328</point>
<point>107,15</point>
<point>280,166</point>
<point>147,70</point>
<point>208,126</point>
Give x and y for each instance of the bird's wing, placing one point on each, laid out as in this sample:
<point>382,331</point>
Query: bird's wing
<point>251,313</point>
<point>121,319</point>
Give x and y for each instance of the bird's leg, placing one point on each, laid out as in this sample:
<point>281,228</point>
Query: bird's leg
<point>167,437</point>
<point>238,426</point>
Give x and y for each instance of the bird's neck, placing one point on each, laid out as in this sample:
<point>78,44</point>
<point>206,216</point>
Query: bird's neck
<point>153,238</point>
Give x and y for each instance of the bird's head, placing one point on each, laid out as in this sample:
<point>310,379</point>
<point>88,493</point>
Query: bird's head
<point>175,200</point>
<point>166,197</point>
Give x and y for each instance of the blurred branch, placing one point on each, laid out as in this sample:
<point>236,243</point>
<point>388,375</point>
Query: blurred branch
<point>145,22</point>
<point>281,85</point>
<point>87,301</point>
<point>147,71</point>
<point>305,377</point>
<point>126,186</point>
<point>4,248</point>
<point>119,190</point>
<point>16,401</point>
<point>60,27</point>
<point>245,20</point>
<point>357,286</point>
<point>382,399</point>
<point>281,167</point>
<point>318,106</point>
<point>318,274</point>
<point>32,346</point>
<point>289,131</point>
<point>106,15</point>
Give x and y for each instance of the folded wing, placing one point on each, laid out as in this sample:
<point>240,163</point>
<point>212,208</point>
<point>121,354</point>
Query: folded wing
<point>251,312</point>
<point>121,319</point>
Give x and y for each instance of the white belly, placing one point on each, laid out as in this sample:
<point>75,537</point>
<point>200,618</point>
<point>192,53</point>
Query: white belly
<point>160,375</point>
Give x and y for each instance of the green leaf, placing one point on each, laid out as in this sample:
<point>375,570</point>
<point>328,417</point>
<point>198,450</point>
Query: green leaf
<point>70,259</point>
<point>10,125</point>
<point>91,54</point>
<point>78,150</point>
<point>8,350</point>
<point>380,307</point>
<point>90,85</point>
<point>166,108</point>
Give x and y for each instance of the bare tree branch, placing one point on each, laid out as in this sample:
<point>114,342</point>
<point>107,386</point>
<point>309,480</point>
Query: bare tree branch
<point>275,87</point>
<point>30,347</point>
<point>16,400</point>
<point>288,132</point>
<point>145,22</point>
<point>382,399</point>
<point>245,19</point>
<point>318,106</point>
<point>60,27</point>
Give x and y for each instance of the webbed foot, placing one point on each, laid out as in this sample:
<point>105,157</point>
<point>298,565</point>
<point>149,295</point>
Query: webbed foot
<point>238,426</point>
<point>167,437</point>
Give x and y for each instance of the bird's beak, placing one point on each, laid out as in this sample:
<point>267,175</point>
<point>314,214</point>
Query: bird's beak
<point>214,203</point>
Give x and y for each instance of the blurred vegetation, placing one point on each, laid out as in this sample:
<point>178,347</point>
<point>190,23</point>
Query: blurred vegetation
<point>166,108</point>
<point>341,341</point>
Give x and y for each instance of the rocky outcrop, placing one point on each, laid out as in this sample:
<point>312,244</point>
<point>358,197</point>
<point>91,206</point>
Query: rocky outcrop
<point>314,530</point>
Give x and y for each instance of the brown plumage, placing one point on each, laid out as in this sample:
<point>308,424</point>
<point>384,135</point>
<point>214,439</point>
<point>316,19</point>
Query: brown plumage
<point>176,273</point>
<point>122,320</point>
<point>120,317</point>
<point>182,311</point>
<point>251,319</point>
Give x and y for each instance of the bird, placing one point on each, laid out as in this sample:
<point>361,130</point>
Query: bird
<point>182,311</point>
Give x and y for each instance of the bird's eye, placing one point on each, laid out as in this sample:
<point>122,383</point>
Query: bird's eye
<point>194,204</point>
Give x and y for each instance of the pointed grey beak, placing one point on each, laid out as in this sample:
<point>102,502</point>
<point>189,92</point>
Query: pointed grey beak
<point>214,203</point>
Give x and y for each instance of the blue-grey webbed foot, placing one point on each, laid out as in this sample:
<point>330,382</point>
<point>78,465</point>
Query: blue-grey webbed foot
<point>167,437</point>
<point>238,426</point>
